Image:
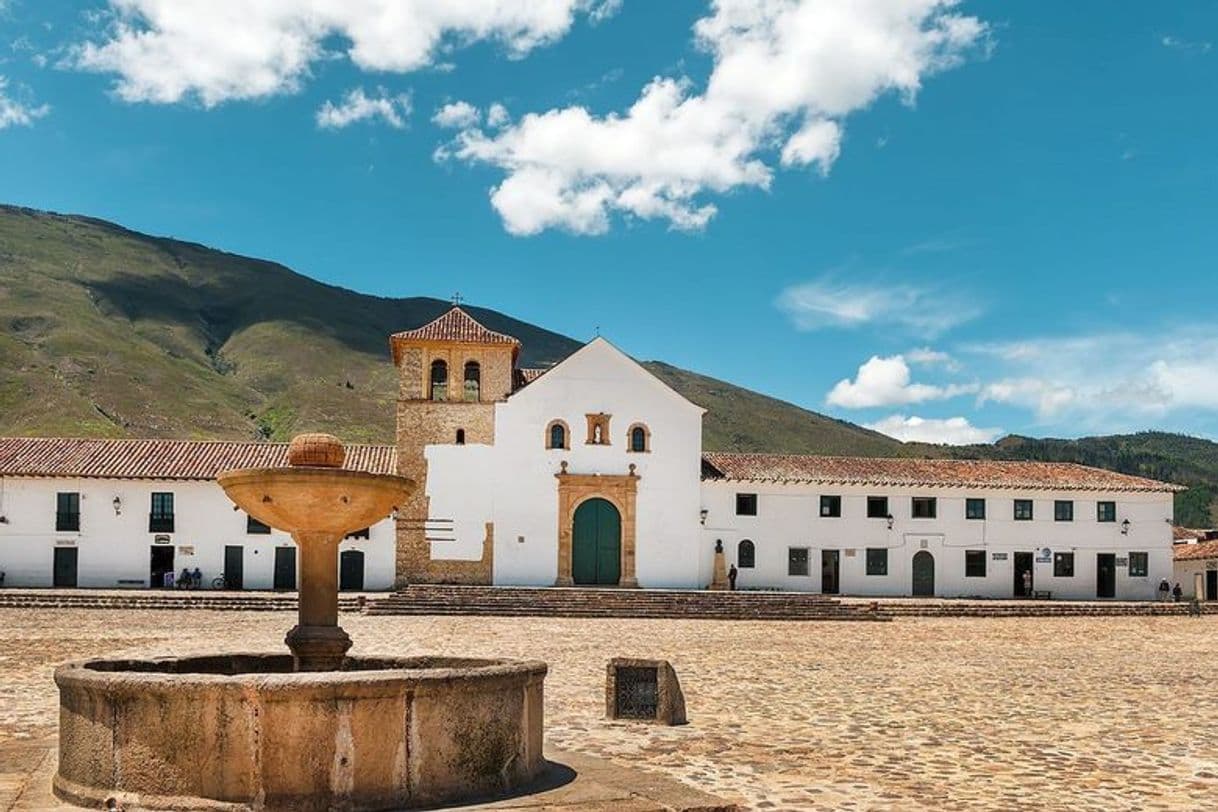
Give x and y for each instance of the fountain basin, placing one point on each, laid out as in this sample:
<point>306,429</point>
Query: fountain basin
<point>244,731</point>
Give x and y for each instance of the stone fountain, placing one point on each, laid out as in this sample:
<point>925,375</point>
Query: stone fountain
<point>315,729</point>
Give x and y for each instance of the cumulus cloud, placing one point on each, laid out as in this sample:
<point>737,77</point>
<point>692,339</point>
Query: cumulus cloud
<point>458,114</point>
<point>15,112</point>
<point>887,382</point>
<point>827,302</point>
<point>786,74</point>
<point>166,51</point>
<point>358,106</point>
<point>1111,381</point>
<point>949,431</point>
<point>497,115</point>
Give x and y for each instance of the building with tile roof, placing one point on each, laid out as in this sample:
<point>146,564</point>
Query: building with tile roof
<point>590,473</point>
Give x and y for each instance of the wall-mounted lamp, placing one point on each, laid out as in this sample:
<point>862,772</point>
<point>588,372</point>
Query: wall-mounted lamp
<point>890,520</point>
<point>118,505</point>
<point>702,514</point>
<point>1125,528</point>
<point>3,519</point>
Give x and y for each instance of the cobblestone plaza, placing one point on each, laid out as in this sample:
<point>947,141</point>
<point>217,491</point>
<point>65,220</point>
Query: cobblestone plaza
<point>918,714</point>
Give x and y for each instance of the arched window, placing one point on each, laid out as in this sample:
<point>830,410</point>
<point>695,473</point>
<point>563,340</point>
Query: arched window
<point>556,435</point>
<point>439,380</point>
<point>638,439</point>
<point>460,436</point>
<point>473,380</point>
<point>746,555</point>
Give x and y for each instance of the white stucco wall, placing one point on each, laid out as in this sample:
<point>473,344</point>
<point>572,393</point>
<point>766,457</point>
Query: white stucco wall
<point>788,516</point>
<point>1185,573</point>
<point>513,483</point>
<point>114,549</point>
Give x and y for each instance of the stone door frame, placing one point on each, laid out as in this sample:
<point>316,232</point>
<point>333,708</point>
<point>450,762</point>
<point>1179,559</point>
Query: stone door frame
<point>619,490</point>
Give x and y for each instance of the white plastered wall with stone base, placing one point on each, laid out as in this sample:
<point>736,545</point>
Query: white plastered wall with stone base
<point>114,546</point>
<point>788,516</point>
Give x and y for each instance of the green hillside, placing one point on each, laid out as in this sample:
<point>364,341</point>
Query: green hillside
<point>107,332</point>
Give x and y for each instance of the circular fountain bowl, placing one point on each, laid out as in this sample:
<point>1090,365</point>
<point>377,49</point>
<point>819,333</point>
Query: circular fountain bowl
<point>242,731</point>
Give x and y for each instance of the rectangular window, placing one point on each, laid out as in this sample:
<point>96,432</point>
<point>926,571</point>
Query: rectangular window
<point>255,527</point>
<point>923,507</point>
<point>974,508</point>
<point>746,504</point>
<point>1023,510</point>
<point>974,563</point>
<point>160,520</point>
<point>1063,565</point>
<point>67,512</point>
<point>877,561</point>
<point>877,507</point>
<point>361,534</point>
<point>797,561</point>
<point>1105,511</point>
<point>1063,510</point>
<point>1139,565</point>
<point>831,507</point>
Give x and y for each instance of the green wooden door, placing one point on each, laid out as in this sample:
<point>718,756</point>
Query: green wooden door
<point>923,574</point>
<point>596,549</point>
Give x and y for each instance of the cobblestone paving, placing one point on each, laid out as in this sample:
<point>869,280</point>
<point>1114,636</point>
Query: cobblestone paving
<point>927,714</point>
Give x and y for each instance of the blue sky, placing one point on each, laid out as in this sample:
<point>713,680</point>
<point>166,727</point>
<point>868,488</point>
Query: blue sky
<point>946,220</point>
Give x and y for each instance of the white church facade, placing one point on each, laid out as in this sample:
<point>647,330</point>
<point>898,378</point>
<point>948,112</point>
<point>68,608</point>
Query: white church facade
<point>590,473</point>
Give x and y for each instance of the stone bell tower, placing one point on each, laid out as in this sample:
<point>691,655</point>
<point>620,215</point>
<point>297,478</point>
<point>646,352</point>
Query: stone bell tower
<point>451,373</point>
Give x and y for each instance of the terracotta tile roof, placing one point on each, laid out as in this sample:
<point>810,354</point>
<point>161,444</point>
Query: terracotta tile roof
<point>160,459</point>
<point>1193,534</point>
<point>1193,552</point>
<point>922,472</point>
<point>455,325</point>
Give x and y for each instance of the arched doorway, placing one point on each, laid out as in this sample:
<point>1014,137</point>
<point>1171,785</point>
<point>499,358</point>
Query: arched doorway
<point>923,574</point>
<point>596,554</point>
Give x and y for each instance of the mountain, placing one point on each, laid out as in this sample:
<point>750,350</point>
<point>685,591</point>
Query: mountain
<point>109,332</point>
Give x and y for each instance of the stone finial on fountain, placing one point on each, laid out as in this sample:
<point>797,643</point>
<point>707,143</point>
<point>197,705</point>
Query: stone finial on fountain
<point>316,451</point>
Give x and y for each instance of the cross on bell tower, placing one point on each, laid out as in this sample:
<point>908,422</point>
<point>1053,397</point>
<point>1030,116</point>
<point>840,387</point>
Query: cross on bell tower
<point>457,298</point>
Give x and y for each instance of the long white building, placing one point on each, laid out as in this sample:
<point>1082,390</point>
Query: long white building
<point>588,473</point>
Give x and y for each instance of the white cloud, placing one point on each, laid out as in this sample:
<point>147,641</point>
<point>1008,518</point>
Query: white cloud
<point>17,113</point>
<point>886,382</point>
<point>497,115</point>
<point>825,302</point>
<point>786,73</point>
<point>458,114</point>
<point>1110,381</point>
<point>358,106</point>
<point>949,431</point>
<point>1191,46</point>
<point>166,51</point>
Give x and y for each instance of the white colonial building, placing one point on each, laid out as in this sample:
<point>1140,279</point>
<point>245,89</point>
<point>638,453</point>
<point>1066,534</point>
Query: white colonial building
<point>588,473</point>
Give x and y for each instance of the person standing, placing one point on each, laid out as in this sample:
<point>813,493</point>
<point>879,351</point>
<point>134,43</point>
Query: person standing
<point>1164,590</point>
<point>731,578</point>
<point>1177,593</point>
<point>1027,583</point>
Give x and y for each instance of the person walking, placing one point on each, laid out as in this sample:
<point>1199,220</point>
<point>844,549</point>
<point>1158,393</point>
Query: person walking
<point>731,578</point>
<point>1164,590</point>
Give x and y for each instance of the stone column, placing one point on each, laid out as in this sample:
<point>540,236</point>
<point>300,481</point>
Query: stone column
<point>564,537</point>
<point>1199,586</point>
<point>317,641</point>
<point>629,578</point>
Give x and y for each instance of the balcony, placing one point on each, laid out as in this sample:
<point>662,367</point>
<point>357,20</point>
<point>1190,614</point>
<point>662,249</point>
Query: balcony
<point>160,523</point>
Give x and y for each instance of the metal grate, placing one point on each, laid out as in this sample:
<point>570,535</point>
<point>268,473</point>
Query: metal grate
<point>637,692</point>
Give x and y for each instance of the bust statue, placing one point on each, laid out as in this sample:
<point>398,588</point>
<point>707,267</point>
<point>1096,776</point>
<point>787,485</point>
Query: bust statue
<point>718,545</point>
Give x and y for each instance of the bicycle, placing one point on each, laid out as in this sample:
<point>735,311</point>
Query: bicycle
<point>219,582</point>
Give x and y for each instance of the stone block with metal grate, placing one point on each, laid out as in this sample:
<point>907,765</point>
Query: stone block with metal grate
<point>643,691</point>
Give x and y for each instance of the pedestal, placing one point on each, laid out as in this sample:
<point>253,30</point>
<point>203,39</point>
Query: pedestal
<point>719,573</point>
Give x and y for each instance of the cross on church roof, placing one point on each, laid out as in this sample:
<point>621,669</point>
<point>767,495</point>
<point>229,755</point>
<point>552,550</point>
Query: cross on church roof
<point>457,298</point>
